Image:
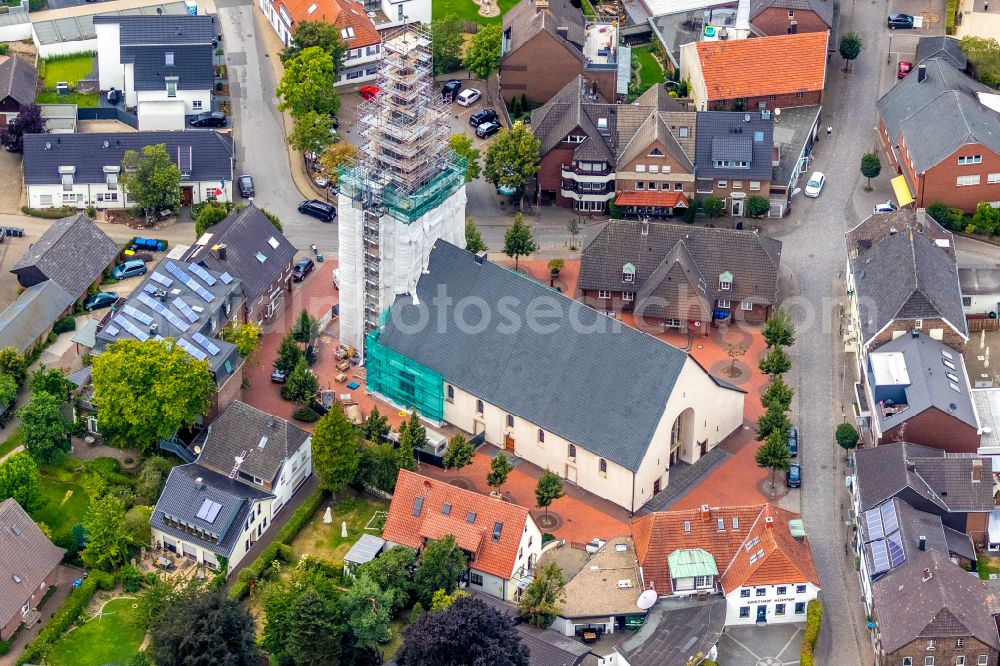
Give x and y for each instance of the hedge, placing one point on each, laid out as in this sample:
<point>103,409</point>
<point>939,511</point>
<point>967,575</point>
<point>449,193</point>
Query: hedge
<point>814,618</point>
<point>67,614</point>
<point>49,213</point>
<point>949,19</point>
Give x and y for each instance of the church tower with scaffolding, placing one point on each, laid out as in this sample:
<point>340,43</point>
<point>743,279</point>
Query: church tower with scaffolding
<point>406,191</point>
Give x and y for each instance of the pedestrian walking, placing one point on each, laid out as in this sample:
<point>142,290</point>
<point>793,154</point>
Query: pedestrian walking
<point>986,6</point>
<point>829,131</point>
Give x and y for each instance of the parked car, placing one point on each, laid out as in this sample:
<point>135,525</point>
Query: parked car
<point>210,119</point>
<point>318,209</point>
<point>336,279</point>
<point>483,116</point>
<point>900,21</point>
<point>130,268</point>
<point>793,441</point>
<point>302,268</point>
<point>450,89</point>
<point>886,207</point>
<point>486,130</point>
<point>904,68</point>
<point>468,97</point>
<point>368,92</point>
<point>794,477</point>
<point>815,184</point>
<point>278,377</point>
<point>105,299</point>
<point>246,187</point>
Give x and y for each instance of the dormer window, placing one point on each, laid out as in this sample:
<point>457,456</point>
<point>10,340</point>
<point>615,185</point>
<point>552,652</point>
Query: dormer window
<point>347,33</point>
<point>726,281</point>
<point>66,176</point>
<point>602,124</point>
<point>576,138</point>
<point>111,176</point>
<point>628,273</point>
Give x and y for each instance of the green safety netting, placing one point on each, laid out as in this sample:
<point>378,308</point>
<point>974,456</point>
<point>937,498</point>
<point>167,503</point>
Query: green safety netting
<point>402,380</point>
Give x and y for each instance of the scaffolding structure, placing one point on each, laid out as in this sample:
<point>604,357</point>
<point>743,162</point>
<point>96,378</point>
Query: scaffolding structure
<point>403,381</point>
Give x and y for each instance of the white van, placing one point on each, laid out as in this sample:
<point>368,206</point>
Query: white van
<point>336,279</point>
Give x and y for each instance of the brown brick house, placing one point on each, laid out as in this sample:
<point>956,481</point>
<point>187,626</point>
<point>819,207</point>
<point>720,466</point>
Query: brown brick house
<point>681,277</point>
<point>788,17</point>
<point>28,561</point>
<point>959,164</point>
<point>735,156</point>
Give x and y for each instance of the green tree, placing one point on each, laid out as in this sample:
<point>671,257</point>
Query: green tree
<point>49,380</point>
<point>446,44</point>
<point>870,167</point>
<point>518,240</point>
<point>773,420</point>
<point>984,54</point>
<point>757,206</point>
<point>512,159</point>
<point>369,610</point>
<point>846,436</point>
<point>107,534</point>
<point>208,216</point>
<point>775,362</point>
<point>272,218</point>
<point>473,239</point>
<point>379,466</point>
<point>8,390</point>
<point>245,337</point>
<point>462,145</point>
<point>393,571</point>
<point>313,630</point>
<point>500,469</point>
<point>713,206</point>
<point>152,475</point>
<point>573,227</point>
<point>311,133</point>
<point>335,449</point>
<point>850,48</point>
<point>151,179</point>
<point>773,454</point>
<point>19,478</point>
<point>548,490</point>
<point>460,452</point>
<point>482,55</point>
<point>443,600</point>
<point>441,563</point>
<point>941,214</point>
<point>321,34</point>
<point>289,353</point>
<point>137,524</point>
<point>13,364</point>
<point>779,331</point>
<point>413,434</point>
<point>301,385</point>
<point>206,629</point>
<point>337,155</point>
<point>44,428</point>
<point>986,219</point>
<point>306,328</point>
<point>778,395</point>
<point>376,427</point>
<point>145,391</point>
<point>539,605</point>
<point>307,84</point>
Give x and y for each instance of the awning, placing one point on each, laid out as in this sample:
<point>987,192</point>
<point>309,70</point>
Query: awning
<point>691,562</point>
<point>902,191</point>
<point>654,198</point>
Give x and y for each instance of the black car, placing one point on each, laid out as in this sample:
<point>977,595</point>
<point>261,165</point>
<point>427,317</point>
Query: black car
<point>793,442</point>
<point>900,21</point>
<point>211,119</point>
<point>487,130</point>
<point>483,116</point>
<point>794,477</point>
<point>105,299</point>
<point>450,90</point>
<point>318,209</point>
<point>246,187</point>
<point>302,268</point>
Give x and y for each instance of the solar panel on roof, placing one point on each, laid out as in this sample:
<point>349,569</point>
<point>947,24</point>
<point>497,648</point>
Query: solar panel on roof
<point>209,510</point>
<point>148,288</point>
<point>889,522</point>
<point>880,556</point>
<point>226,278</point>
<point>896,554</point>
<point>206,343</point>
<point>873,520</point>
<point>191,349</point>
<point>213,513</point>
<point>185,309</point>
<point>160,278</point>
<point>202,273</point>
<point>140,317</point>
<point>165,312</point>
<point>112,330</point>
<point>205,294</point>
<point>132,329</point>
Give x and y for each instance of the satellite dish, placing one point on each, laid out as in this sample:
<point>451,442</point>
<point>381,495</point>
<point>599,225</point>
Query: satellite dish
<point>646,600</point>
<point>777,112</point>
<point>197,449</point>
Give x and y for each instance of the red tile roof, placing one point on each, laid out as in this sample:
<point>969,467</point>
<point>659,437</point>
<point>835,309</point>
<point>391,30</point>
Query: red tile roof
<point>785,559</point>
<point>342,13</point>
<point>489,556</point>
<point>654,198</point>
<point>763,65</point>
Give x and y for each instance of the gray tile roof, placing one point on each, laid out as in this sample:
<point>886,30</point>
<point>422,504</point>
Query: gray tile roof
<point>246,233</point>
<point>184,495</point>
<point>670,628</point>
<point>25,552</point>
<point>192,66</point>
<point>731,131</point>
<point>73,252</point>
<point>752,258</point>
<point>33,313</point>
<point>910,525</point>
<point>949,603</point>
<point>929,386</point>
<point>947,100</point>
<point>948,49</point>
<point>580,375</point>
<point>822,8</point>
<point>240,431</point>
<point>979,281</point>
<point>525,21</point>
<point>876,228</point>
<point>163,29</point>
<point>906,276</point>
<point>209,154</point>
<point>18,80</point>
<point>959,543</point>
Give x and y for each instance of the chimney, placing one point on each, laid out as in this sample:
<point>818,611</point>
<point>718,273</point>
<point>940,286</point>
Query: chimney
<point>977,470</point>
<point>793,27</point>
<point>481,257</point>
<point>768,522</point>
<point>927,575</point>
<point>921,73</point>
<point>561,30</point>
<point>219,251</point>
<point>152,329</point>
<point>922,543</point>
<point>541,5</point>
<point>706,513</point>
<point>914,333</point>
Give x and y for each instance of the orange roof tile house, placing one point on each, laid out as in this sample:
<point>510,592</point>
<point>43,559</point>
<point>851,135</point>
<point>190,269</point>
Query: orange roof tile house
<point>757,556</point>
<point>760,73</point>
<point>500,539</point>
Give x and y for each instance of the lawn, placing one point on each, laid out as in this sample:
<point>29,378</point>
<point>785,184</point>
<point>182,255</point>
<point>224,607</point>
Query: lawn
<point>987,565</point>
<point>650,72</point>
<point>64,501</point>
<point>110,638</point>
<point>81,100</point>
<point>12,443</point>
<point>70,70</point>
<point>467,10</point>
<point>324,541</point>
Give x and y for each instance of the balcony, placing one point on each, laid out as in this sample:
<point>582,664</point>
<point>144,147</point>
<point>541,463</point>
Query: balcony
<point>571,172</point>
<point>577,194</point>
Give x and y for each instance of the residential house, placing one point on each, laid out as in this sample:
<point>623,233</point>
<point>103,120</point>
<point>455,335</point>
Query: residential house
<point>958,165</point>
<point>603,405</point>
<point>752,74</point>
<point>734,157</point>
<point>593,151</point>
<point>500,539</point>
<point>80,170</point>
<point>673,633</point>
<point>916,389</point>
<point>902,276</point>
<point>548,43</point>
<point>954,487</point>
<point>204,515</point>
<point>788,17</point>
<point>358,33</point>
<point>948,49</point>
<point>247,246</point>
<point>756,556</point>
<point>190,305</point>
<point>28,561</point>
<point>258,449</point>
<point>162,64</point>
<point>980,290</point>
<point>680,277</point>
<point>18,80</point>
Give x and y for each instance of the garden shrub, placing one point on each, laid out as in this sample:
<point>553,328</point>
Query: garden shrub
<point>949,19</point>
<point>131,579</point>
<point>64,324</point>
<point>814,618</point>
<point>48,213</point>
<point>305,414</point>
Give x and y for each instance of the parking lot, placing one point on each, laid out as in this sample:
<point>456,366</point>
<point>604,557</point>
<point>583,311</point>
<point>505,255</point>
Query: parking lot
<point>770,645</point>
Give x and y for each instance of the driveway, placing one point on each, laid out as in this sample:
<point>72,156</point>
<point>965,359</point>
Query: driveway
<point>773,645</point>
<point>10,193</point>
